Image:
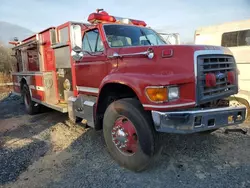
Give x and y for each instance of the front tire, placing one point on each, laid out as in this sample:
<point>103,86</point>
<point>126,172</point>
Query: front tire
<point>129,134</point>
<point>30,106</point>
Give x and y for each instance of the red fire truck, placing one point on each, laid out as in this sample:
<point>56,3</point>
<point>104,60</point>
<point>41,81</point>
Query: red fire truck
<point>120,76</point>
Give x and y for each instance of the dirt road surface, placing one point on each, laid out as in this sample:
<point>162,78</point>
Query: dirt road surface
<point>43,151</point>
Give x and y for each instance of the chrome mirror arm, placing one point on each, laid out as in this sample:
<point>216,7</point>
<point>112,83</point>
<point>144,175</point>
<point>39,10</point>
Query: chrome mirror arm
<point>149,53</point>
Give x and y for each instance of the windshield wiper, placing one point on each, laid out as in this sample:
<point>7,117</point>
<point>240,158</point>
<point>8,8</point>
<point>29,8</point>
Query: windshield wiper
<point>143,33</point>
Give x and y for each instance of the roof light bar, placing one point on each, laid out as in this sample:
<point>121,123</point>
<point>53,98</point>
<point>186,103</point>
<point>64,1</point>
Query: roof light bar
<point>103,16</point>
<point>138,22</point>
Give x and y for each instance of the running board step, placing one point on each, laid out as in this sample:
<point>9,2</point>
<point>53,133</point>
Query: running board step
<point>83,107</point>
<point>59,107</point>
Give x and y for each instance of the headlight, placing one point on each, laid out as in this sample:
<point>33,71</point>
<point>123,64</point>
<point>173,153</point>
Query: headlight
<point>161,94</point>
<point>173,93</point>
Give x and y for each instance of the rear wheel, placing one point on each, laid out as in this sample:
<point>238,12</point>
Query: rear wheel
<point>30,106</point>
<point>129,134</point>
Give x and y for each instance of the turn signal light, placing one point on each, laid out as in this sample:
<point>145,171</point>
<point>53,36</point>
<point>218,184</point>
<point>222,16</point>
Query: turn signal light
<point>157,94</point>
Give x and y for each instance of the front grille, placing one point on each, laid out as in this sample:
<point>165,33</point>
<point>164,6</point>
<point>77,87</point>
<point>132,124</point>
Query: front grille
<point>218,65</point>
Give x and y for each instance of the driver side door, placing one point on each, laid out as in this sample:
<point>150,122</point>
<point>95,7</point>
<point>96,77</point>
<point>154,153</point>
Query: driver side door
<point>91,70</point>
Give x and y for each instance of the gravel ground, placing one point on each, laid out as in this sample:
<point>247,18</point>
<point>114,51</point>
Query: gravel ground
<point>44,151</point>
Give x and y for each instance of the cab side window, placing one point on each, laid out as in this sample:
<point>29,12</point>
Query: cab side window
<point>92,41</point>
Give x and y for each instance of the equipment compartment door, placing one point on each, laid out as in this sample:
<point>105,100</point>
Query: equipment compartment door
<point>63,69</point>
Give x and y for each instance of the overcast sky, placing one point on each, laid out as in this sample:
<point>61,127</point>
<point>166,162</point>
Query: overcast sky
<point>182,16</point>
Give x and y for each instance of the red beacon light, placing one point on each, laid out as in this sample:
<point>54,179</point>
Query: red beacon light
<point>138,22</point>
<point>103,16</point>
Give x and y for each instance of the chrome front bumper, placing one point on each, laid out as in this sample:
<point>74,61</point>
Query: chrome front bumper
<point>197,120</point>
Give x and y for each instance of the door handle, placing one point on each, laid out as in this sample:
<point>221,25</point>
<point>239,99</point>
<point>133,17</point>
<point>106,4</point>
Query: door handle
<point>115,55</point>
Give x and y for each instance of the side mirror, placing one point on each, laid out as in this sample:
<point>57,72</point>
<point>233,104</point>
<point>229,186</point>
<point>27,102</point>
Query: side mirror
<point>75,35</point>
<point>171,38</point>
<point>77,53</point>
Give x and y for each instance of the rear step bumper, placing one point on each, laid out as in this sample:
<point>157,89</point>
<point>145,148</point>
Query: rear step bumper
<point>191,121</point>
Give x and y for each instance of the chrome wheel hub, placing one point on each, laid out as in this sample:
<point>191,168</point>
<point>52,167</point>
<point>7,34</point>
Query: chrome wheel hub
<point>124,136</point>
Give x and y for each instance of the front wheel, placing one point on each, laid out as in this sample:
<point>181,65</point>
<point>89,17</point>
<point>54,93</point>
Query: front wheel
<point>129,134</point>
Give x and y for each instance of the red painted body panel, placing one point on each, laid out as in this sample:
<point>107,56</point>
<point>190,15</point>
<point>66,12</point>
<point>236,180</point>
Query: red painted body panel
<point>37,80</point>
<point>140,72</point>
<point>35,83</point>
<point>49,59</point>
<point>94,69</point>
<point>39,95</point>
<point>34,36</point>
<point>91,70</point>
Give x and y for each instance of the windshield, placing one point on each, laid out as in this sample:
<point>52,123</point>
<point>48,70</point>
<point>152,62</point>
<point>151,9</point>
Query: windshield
<point>126,35</point>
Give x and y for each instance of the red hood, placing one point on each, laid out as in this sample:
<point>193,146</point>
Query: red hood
<point>178,61</point>
<point>177,68</point>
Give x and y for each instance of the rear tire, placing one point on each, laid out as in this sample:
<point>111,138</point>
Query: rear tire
<point>30,106</point>
<point>144,143</point>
